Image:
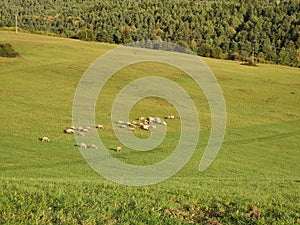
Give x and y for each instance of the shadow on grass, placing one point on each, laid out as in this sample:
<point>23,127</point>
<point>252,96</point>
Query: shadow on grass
<point>249,64</point>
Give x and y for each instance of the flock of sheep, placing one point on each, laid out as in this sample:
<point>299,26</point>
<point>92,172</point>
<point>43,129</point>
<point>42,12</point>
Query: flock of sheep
<point>144,123</point>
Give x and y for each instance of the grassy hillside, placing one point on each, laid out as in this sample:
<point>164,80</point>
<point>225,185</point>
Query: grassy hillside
<point>254,179</point>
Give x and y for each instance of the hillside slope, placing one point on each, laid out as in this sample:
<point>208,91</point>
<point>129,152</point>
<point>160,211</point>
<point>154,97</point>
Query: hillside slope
<point>254,179</point>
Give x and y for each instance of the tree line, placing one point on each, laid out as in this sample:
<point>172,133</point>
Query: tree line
<point>235,29</point>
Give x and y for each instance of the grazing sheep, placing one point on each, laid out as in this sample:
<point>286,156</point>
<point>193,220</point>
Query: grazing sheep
<point>141,118</point>
<point>153,126</point>
<point>146,122</point>
<point>145,127</point>
<point>128,123</point>
<point>132,129</point>
<point>164,123</point>
<point>81,134</point>
<point>69,131</point>
<point>72,127</point>
<point>132,125</point>
<point>151,119</point>
<point>83,145</point>
<point>93,146</point>
<point>45,139</point>
<point>134,122</point>
<point>88,128</point>
<point>80,128</point>
<point>157,120</point>
<point>170,117</point>
<point>85,130</point>
<point>120,122</point>
<point>119,149</point>
<point>123,126</point>
<point>100,127</point>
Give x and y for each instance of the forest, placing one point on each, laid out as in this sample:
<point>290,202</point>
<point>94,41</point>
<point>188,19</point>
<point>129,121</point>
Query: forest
<point>246,30</point>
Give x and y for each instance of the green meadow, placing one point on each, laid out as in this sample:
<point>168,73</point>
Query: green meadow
<point>255,178</point>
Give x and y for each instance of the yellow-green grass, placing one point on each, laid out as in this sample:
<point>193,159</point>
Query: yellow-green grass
<point>257,166</point>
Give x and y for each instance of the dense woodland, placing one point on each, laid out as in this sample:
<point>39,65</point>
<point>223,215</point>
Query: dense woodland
<point>235,29</point>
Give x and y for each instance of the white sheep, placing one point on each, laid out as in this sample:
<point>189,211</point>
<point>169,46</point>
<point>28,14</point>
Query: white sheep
<point>123,126</point>
<point>83,145</point>
<point>93,146</point>
<point>119,149</point>
<point>132,129</point>
<point>45,139</point>
<point>170,117</point>
<point>145,127</point>
<point>157,120</point>
<point>141,118</point>
<point>69,131</point>
<point>151,119</point>
<point>132,125</point>
<point>85,130</point>
<point>120,122</point>
<point>81,134</point>
<point>100,127</point>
